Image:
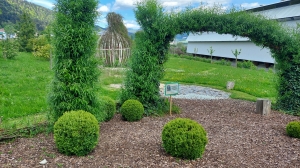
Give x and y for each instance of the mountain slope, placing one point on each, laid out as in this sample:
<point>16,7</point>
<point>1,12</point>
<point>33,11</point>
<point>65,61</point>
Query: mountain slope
<point>10,10</point>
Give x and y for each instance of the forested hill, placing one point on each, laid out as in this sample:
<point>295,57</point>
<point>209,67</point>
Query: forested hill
<point>10,10</point>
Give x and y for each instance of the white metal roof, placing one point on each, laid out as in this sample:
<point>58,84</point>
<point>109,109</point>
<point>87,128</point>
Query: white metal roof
<point>289,15</point>
<point>212,36</point>
<point>283,12</point>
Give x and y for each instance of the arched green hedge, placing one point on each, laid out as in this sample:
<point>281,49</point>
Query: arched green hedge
<point>159,28</point>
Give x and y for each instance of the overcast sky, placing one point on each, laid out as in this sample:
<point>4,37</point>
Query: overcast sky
<point>125,7</point>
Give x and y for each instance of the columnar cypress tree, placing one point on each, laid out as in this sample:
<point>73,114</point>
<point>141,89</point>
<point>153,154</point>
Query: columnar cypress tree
<point>75,67</point>
<point>147,59</point>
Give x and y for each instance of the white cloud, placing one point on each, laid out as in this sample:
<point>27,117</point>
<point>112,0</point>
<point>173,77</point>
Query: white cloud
<point>124,4</point>
<point>130,24</point>
<point>101,21</point>
<point>103,8</point>
<point>180,3</point>
<point>45,4</point>
<point>249,5</point>
<point>168,3</point>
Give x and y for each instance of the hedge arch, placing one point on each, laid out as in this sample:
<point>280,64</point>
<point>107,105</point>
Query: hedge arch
<point>159,28</point>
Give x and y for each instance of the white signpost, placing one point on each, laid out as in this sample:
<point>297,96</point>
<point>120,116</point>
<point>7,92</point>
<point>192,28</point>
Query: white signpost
<point>171,88</point>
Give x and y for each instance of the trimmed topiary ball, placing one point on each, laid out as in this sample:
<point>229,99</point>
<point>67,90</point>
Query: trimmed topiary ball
<point>76,133</point>
<point>184,138</point>
<point>293,129</point>
<point>108,105</point>
<point>132,110</point>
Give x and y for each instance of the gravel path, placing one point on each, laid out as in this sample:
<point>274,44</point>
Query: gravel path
<point>192,92</point>
<point>197,92</point>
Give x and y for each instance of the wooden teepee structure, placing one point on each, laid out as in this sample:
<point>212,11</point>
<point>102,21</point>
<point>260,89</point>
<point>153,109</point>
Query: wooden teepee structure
<point>114,45</point>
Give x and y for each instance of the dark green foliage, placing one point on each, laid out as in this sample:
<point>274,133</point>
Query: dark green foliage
<point>146,64</point>
<point>26,31</point>
<point>108,106</point>
<point>9,29</point>
<point>289,90</point>
<point>75,82</point>
<point>7,13</point>
<point>293,129</point>
<point>142,80</point>
<point>76,133</point>
<point>132,110</point>
<point>184,138</point>
<point>288,98</point>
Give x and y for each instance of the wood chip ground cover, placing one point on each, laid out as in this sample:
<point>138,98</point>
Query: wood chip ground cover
<point>237,138</point>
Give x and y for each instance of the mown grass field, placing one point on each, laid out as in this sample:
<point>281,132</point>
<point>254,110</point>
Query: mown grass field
<point>25,80</point>
<point>252,83</point>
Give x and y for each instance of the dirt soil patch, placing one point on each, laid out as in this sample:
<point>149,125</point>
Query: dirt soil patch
<point>237,138</point>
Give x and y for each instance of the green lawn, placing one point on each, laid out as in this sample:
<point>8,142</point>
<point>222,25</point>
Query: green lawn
<point>111,76</point>
<point>254,83</point>
<point>24,83</point>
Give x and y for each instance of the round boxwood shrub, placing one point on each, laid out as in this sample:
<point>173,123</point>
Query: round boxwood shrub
<point>184,138</point>
<point>293,129</point>
<point>132,110</point>
<point>108,106</point>
<point>76,133</point>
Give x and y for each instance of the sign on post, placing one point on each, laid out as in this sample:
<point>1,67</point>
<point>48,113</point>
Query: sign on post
<point>171,88</point>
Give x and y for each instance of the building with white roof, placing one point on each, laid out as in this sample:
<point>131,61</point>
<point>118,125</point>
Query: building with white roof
<point>287,12</point>
<point>2,34</point>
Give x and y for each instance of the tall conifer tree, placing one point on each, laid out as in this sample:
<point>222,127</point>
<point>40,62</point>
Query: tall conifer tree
<point>75,66</point>
<point>26,31</point>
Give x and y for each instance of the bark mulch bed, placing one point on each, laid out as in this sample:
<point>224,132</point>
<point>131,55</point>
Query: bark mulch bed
<point>237,138</point>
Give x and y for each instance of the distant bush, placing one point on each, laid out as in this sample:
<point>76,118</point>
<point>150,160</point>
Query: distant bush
<point>246,64</point>
<point>10,48</point>
<point>108,106</point>
<point>42,51</point>
<point>196,58</point>
<point>41,47</point>
<point>223,62</point>
<point>76,133</point>
<point>178,49</point>
<point>184,138</point>
<point>293,129</point>
<point>132,110</point>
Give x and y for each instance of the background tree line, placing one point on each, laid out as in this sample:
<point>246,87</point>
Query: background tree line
<point>27,22</point>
